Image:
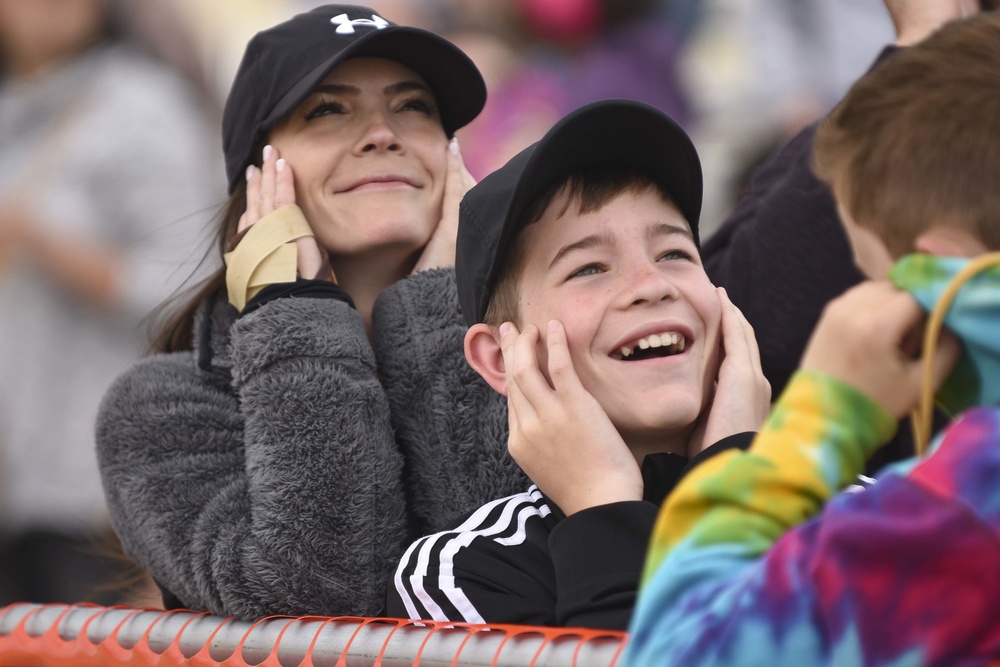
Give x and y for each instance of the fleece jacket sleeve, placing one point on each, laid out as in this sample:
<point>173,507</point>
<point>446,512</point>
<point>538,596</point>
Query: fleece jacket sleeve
<point>274,491</point>
<point>450,425</point>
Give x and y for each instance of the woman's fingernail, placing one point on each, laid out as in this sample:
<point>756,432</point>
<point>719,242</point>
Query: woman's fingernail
<point>505,329</point>
<point>250,172</point>
<point>453,146</point>
<point>280,164</point>
<point>267,152</point>
<point>553,325</point>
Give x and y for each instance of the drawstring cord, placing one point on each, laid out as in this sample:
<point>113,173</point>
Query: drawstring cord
<point>921,417</point>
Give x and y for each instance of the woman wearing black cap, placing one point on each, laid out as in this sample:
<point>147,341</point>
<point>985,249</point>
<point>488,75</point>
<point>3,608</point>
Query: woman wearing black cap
<point>309,410</point>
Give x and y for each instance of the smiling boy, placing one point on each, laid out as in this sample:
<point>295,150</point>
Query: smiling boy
<point>579,274</point>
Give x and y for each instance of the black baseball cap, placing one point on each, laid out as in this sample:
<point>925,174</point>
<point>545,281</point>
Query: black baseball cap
<point>493,211</point>
<point>283,64</point>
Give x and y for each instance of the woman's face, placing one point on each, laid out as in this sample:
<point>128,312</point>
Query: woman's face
<point>369,158</point>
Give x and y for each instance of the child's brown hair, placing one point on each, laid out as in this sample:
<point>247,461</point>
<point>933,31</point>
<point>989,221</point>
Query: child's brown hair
<point>917,141</point>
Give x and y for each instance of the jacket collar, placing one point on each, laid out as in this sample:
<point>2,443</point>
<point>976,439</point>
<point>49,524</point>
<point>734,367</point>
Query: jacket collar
<point>212,342</point>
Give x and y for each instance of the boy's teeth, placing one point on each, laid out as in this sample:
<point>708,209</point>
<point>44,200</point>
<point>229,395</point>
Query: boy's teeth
<point>655,340</point>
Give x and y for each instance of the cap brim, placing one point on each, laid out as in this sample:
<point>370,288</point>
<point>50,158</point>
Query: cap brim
<point>452,76</point>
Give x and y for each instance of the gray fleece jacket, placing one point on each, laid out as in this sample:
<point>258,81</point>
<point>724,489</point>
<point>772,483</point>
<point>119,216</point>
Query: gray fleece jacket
<point>282,466</point>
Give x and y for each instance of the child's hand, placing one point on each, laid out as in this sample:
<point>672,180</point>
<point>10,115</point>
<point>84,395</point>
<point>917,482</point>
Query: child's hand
<point>867,338</point>
<point>559,434</point>
<point>742,397</point>
<point>440,250</point>
<point>268,189</point>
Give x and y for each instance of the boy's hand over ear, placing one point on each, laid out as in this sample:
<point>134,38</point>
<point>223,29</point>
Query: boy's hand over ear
<point>559,434</point>
<point>866,338</point>
<point>742,397</point>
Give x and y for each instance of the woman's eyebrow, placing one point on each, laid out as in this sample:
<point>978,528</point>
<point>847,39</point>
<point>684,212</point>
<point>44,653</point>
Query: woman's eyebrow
<point>391,89</point>
<point>336,89</point>
<point>404,87</point>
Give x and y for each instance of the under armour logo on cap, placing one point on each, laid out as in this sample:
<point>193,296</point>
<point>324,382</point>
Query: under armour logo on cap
<point>345,26</point>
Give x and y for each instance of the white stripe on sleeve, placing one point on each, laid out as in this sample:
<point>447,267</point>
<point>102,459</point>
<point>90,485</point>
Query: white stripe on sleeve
<point>513,512</point>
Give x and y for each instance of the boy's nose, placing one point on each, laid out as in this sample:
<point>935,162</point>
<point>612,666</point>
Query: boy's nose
<point>649,284</point>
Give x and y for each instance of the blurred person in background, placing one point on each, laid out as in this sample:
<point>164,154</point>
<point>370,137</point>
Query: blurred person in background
<point>760,70</point>
<point>543,58</point>
<point>807,53</point>
<point>804,55</point>
<point>108,170</point>
<point>523,101</point>
<point>606,49</point>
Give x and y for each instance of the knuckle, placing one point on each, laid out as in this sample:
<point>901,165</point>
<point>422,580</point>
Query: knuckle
<point>558,365</point>
<point>520,440</point>
<point>505,349</point>
<point>529,432</point>
<point>515,448</point>
<point>519,372</point>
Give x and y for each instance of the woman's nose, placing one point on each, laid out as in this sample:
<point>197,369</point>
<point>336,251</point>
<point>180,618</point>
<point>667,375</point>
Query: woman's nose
<point>379,135</point>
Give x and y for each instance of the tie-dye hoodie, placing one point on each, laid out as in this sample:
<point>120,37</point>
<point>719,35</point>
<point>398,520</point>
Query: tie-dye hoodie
<point>758,560</point>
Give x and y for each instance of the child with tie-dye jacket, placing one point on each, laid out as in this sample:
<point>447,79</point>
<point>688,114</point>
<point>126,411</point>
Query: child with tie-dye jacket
<point>756,558</point>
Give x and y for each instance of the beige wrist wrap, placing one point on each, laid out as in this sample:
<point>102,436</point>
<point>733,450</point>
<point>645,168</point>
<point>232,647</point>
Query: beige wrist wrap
<point>265,255</point>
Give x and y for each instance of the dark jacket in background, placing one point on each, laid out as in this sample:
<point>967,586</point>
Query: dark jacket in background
<point>782,255</point>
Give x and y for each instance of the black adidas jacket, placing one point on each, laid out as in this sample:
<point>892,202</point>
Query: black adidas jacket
<point>520,560</point>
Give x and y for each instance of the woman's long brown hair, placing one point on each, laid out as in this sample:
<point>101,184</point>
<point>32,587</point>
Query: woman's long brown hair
<point>172,322</point>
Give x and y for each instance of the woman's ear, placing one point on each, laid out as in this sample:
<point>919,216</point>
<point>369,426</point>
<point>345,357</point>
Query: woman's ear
<point>482,351</point>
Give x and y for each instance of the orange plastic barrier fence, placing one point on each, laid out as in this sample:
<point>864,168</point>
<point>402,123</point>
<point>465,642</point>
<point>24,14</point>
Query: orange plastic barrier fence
<point>85,635</point>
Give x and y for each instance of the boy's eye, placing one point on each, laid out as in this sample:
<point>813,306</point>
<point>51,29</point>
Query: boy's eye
<point>676,254</point>
<point>588,270</point>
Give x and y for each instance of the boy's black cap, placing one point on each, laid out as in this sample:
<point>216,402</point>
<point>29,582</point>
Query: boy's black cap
<point>283,64</point>
<point>492,212</point>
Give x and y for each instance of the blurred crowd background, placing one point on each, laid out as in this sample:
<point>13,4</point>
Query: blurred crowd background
<point>110,170</point>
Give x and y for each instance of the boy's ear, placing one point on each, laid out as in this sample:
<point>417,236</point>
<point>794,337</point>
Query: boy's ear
<point>950,241</point>
<point>482,351</point>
